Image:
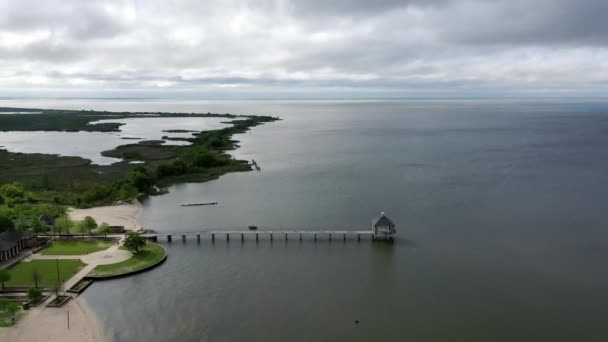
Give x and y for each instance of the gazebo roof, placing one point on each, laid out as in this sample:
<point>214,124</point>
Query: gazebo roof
<point>383,221</point>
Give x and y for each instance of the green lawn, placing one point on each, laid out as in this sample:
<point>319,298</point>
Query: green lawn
<point>22,273</point>
<point>5,320</point>
<point>75,247</point>
<point>150,255</point>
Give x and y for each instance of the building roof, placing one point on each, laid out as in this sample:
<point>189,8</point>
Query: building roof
<point>383,221</point>
<point>6,245</point>
<point>16,235</point>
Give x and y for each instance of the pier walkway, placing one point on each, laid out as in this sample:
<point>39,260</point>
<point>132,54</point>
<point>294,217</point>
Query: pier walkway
<point>265,234</point>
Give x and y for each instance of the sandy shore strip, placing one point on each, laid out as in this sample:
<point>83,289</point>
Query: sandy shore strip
<point>126,215</point>
<point>42,324</point>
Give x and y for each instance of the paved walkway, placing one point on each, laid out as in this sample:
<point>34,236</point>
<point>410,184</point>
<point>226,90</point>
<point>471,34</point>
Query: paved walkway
<point>111,255</point>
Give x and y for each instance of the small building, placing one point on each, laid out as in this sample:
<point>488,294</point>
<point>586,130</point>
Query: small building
<point>12,242</point>
<point>117,229</point>
<point>383,227</point>
<point>8,250</point>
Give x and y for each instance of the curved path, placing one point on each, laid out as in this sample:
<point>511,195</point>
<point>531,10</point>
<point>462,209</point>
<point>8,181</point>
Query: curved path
<point>111,255</point>
<point>42,324</point>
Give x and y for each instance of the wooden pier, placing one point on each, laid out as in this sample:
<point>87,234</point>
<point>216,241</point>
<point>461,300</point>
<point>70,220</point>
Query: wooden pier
<point>271,235</point>
<point>382,229</point>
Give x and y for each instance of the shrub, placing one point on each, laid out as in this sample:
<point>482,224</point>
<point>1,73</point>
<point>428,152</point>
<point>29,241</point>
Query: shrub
<point>96,193</point>
<point>209,159</point>
<point>140,180</point>
<point>134,242</point>
<point>176,168</point>
<point>6,224</point>
<point>34,294</point>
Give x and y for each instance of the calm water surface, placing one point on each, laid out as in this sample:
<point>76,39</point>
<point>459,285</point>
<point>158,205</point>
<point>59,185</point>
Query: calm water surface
<point>500,212</point>
<point>89,145</point>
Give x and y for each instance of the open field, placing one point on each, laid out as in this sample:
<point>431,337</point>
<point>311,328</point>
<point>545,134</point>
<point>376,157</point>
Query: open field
<point>75,247</point>
<point>149,255</point>
<point>23,273</point>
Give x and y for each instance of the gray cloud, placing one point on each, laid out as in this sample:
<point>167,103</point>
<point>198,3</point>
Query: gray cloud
<point>225,45</point>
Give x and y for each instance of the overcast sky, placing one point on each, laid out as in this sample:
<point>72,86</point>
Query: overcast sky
<point>304,47</point>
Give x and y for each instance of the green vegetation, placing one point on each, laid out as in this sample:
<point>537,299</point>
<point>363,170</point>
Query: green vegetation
<point>75,247</point>
<point>104,229</point>
<point>6,224</point>
<point>147,256</point>
<point>5,276</point>
<point>23,273</point>
<point>8,312</point>
<point>34,294</point>
<point>134,242</point>
<point>32,184</point>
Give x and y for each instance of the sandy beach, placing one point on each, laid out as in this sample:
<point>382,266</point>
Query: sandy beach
<point>44,324</point>
<point>126,215</point>
<point>50,324</point>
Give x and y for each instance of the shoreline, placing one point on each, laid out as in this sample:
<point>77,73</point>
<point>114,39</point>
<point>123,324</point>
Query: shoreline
<point>42,324</point>
<point>126,215</point>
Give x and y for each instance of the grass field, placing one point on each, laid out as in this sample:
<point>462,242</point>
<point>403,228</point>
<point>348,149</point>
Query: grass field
<point>22,273</point>
<point>5,320</point>
<point>150,255</point>
<point>75,247</point>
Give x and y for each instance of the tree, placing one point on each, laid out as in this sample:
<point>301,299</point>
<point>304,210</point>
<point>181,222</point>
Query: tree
<point>6,224</point>
<point>13,191</point>
<point>127,192</point>
<point>36,277</point>
<point>134,242</point>
<point>4,277</point>
<point>62,224</point>
<point>3,304</point>
<point>105,229</point>
<point>45,181</point>
<point>83,228</point>
<point>37,226</point>
<point>141,180</point>
<point>89,223</point>
<point>34,294</point>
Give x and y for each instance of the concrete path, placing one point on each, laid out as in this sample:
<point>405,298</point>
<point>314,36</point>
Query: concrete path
<point>111,255</point>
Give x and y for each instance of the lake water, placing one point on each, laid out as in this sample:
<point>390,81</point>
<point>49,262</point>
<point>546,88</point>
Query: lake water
<point>500,213</point>
<point>89,145</point>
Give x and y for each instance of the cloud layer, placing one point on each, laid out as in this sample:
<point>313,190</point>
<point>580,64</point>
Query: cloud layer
<point>315,46</point>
